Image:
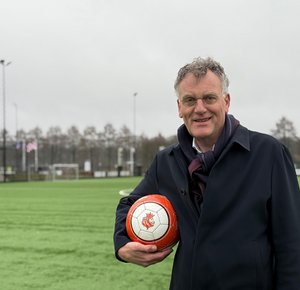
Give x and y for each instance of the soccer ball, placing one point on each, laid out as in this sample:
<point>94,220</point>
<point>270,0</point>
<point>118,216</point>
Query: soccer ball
<point>152,220</point>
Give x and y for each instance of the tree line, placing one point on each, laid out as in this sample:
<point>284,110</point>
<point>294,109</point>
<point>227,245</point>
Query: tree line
<point>106,150</point>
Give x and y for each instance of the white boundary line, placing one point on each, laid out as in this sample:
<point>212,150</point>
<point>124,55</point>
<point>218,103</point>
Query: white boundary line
<point>125,192</point>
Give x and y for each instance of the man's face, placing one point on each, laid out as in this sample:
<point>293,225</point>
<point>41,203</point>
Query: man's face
<point>204,118</point>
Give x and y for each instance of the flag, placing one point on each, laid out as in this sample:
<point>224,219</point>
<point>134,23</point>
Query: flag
<point>31,146</point>
<point>19,145</point>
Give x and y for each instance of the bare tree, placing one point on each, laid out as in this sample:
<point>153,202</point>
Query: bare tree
<point>284,129</point>
<point>54,135</point>
<point>285,132</point>
<point>90,136</point>
<point>109,138</point>
<point>35,133</point>
<point>74,141</point>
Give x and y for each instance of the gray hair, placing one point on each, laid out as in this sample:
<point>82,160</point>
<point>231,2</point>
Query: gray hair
<point>199,68</point>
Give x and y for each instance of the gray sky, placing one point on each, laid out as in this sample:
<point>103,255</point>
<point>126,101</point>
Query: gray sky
<point>79,62</point>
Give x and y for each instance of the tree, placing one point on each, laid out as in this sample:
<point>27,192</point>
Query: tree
<point>285,132</point>
<point>54,135</point>
<point>109,138</point>
<point>149,147</point>
<point>74,141</point>
<point>124,138</point>
<point>284,129</point>
<point>90,136</point>
<point>35,133</point>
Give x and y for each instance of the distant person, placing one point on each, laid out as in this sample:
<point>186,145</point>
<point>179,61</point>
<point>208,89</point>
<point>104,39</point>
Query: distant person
<point>235,192</point>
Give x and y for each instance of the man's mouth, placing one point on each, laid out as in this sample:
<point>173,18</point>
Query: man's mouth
<point>202,120</point>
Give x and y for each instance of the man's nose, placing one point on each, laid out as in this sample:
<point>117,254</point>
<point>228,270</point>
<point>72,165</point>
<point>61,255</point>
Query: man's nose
<point>200,106</point>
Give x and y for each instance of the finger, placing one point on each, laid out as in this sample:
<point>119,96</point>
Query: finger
<point>150,248</point>
<point>142,248</point>
<point>153,258</point>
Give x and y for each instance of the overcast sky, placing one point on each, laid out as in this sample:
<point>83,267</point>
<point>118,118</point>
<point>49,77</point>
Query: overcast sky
<point>79,62</point>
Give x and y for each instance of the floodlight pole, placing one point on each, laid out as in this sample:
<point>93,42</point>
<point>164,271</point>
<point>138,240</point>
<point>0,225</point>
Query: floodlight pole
<point>134,118</point>
<point>4,64</point>
<point>133,149</point>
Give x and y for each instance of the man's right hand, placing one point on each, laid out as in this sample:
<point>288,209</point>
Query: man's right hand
<point>143,255</point>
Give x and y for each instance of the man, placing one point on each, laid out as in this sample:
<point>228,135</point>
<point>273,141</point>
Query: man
<point>235,193</point>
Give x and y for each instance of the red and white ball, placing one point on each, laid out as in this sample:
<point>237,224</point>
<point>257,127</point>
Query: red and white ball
<point>152,220</point>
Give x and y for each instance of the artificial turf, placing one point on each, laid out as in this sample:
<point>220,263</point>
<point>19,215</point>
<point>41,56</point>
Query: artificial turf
<point>59,236</point>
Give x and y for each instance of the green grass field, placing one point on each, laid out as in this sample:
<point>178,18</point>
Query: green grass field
<point>58,235</point>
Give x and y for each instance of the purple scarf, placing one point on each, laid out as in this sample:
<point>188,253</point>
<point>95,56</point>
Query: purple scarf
<point>200,164</point>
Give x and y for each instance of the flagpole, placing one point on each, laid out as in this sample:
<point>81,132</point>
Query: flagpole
<point>17,140</point>
<point>36,160</point>
<point>23,155</point>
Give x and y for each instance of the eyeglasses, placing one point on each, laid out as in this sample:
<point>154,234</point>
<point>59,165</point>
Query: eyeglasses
<point>190,101</point>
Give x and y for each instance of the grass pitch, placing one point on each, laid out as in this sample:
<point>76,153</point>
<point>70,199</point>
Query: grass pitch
<point>58,236</point>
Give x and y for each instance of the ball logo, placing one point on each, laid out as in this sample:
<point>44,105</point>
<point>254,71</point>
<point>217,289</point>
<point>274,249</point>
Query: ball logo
<point>148,220</point>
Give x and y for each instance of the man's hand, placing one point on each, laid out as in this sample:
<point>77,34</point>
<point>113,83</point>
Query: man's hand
<point>143,255</point>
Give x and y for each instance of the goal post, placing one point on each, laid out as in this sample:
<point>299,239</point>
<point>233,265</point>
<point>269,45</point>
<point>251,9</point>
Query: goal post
<point>64,171</point>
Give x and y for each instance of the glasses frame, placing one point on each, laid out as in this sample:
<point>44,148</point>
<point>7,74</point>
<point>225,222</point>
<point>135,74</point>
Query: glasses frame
<point>207,100</point>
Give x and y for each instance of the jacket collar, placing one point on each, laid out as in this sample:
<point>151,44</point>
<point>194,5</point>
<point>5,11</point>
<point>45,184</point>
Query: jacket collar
<point>241,137</point>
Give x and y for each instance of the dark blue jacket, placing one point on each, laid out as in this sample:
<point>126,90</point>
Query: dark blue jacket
<point>248,234</point>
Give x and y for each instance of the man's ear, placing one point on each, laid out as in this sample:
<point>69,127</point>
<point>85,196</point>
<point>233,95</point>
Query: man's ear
<point>179,110</point>
<point>227,102</point>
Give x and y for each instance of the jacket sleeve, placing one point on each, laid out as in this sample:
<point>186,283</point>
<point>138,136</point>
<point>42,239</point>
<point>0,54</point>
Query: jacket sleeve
<point>285,215</point>
<point>148,185</point>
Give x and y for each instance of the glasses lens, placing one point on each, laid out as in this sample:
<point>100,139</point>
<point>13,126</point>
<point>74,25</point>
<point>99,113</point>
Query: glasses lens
<point>208,100</point>
<point>192,101</point>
